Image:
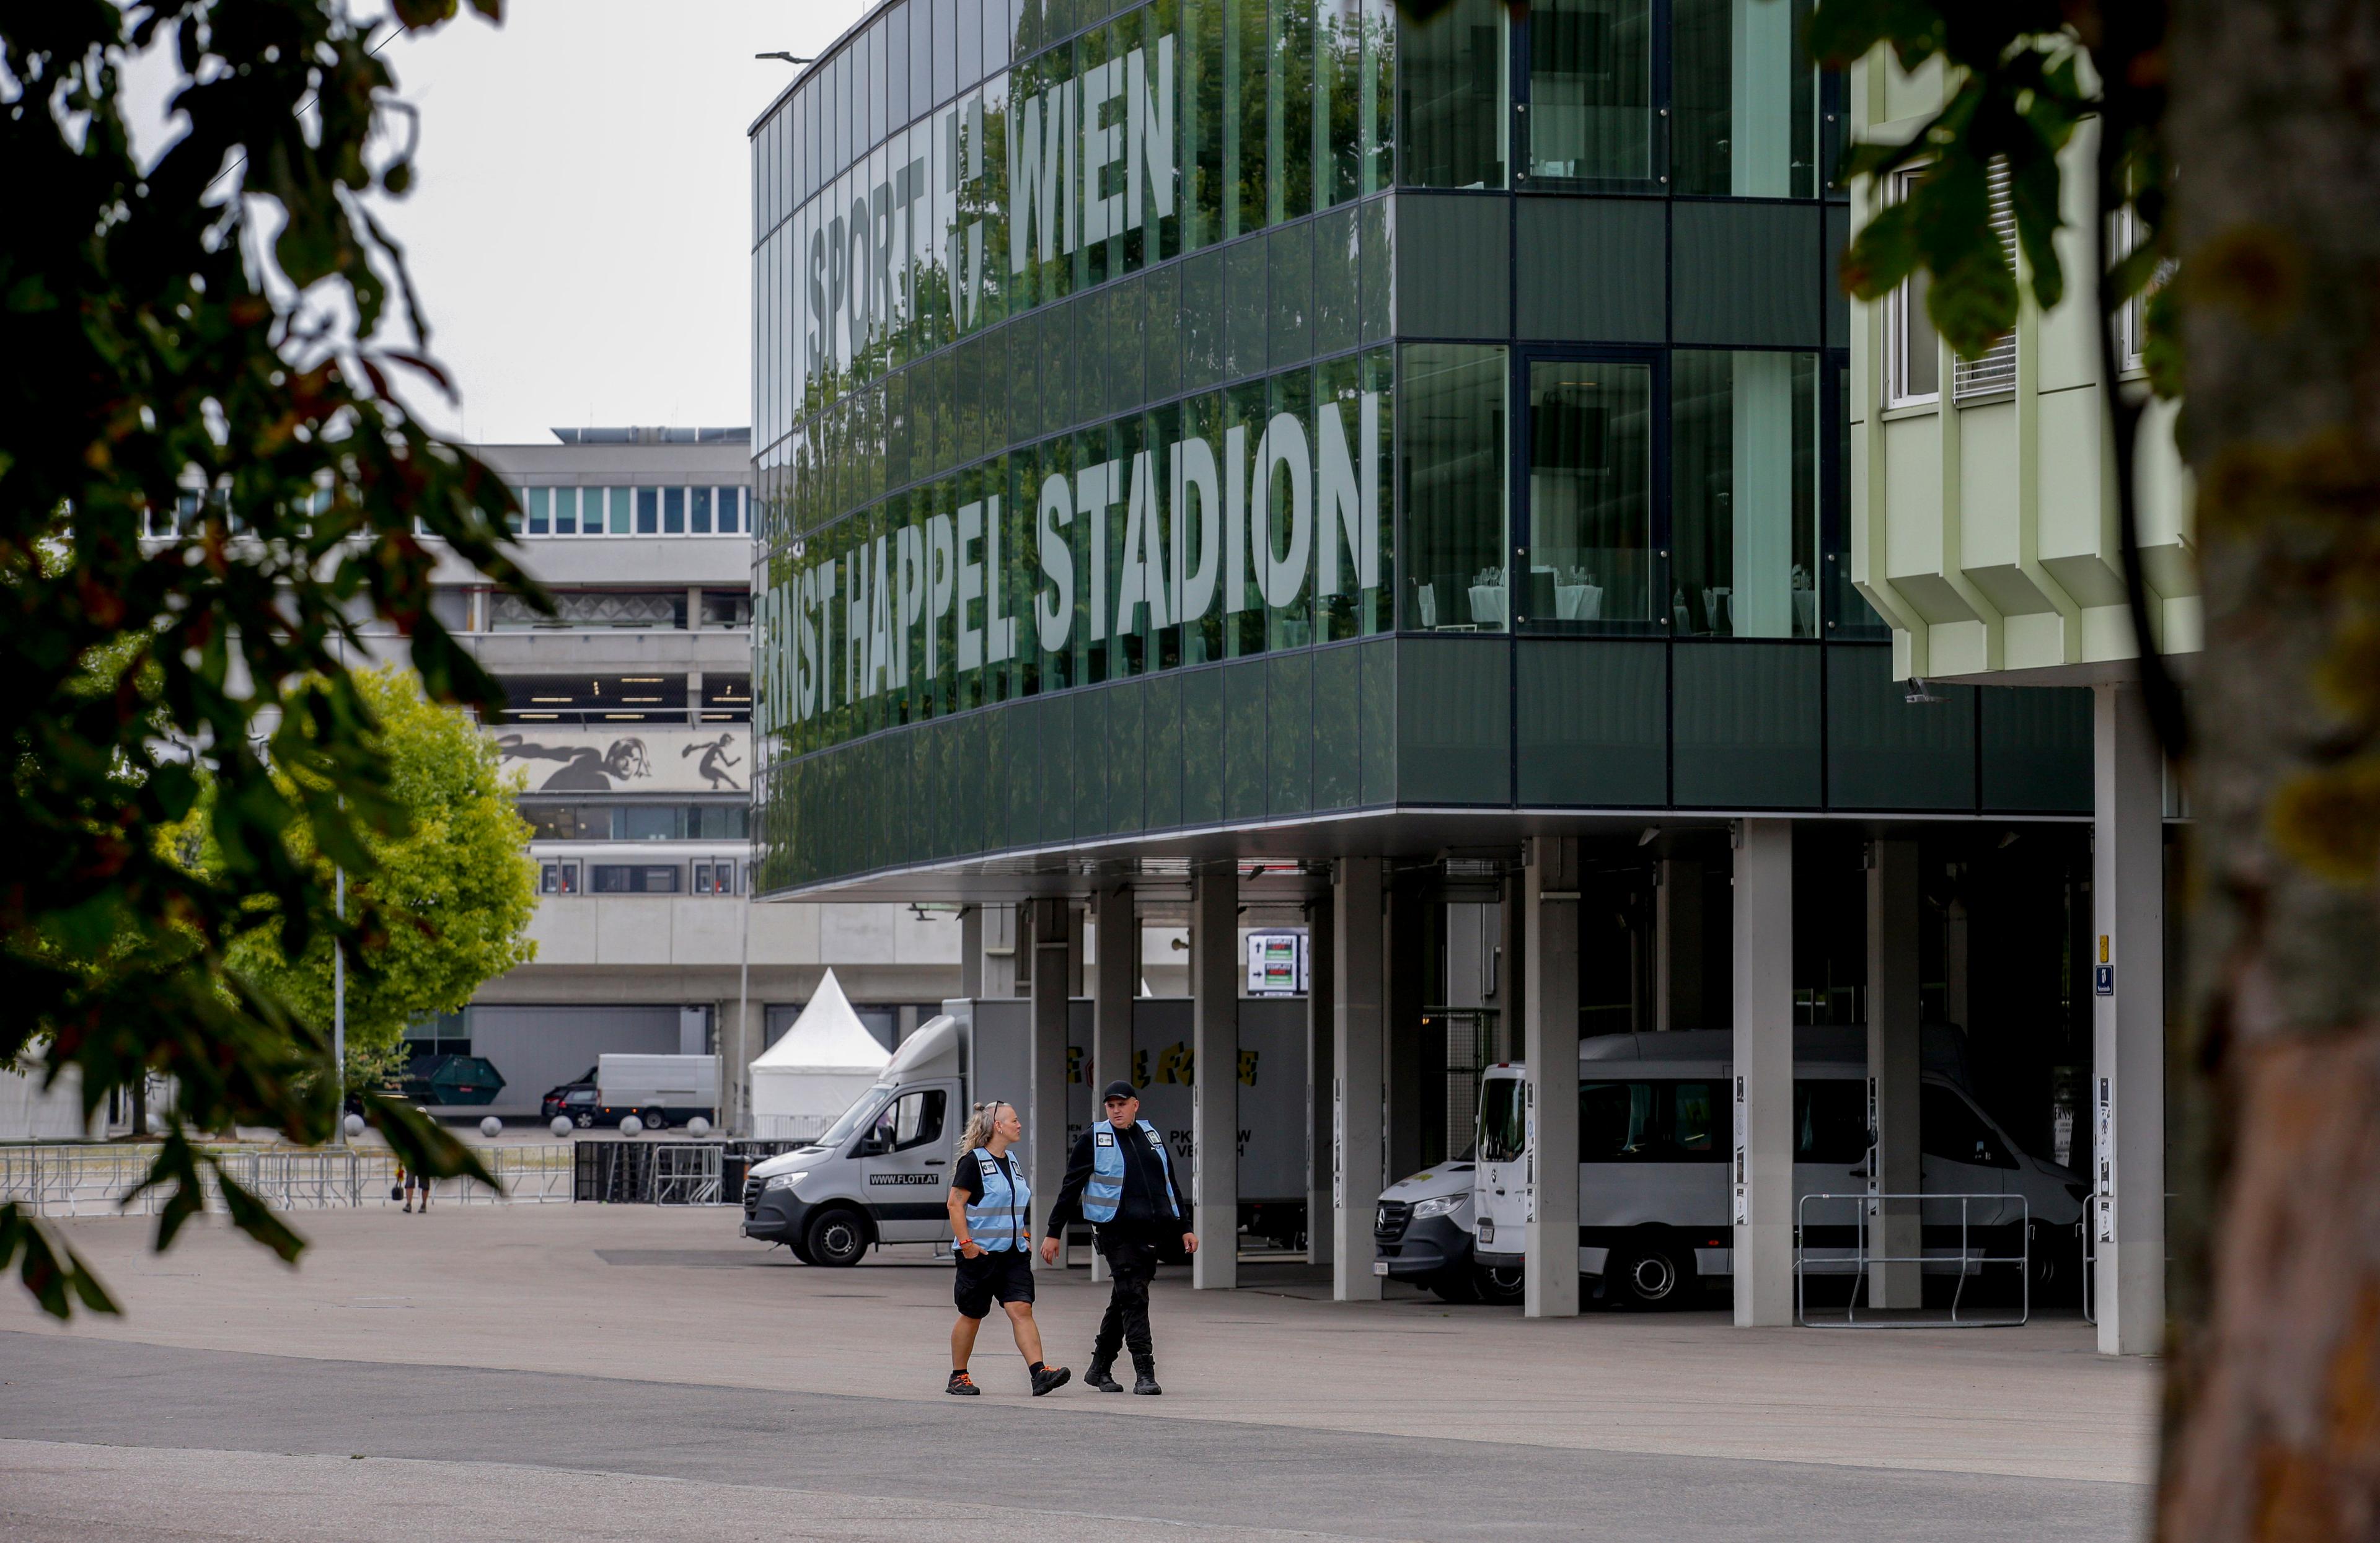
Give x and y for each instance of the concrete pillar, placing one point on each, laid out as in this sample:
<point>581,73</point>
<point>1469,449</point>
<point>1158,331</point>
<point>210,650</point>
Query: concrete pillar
<point>1078,931</point>
<point>1321,994</point>
<point>1408,939</point>
<point>1511,986</point>
<point>694,697</point>
<point>1762,1091</point>
<point>971,951</point>
<point>1004,973</point>
<point>740,1031</point>
<point>1358,1074</point>
<point>1893,1021</point>
<point>1045,1123</point>
<point>1215,968</point>
<point>1550,1047</point>
<point>1678,944</point>
<point>2128,1023</point>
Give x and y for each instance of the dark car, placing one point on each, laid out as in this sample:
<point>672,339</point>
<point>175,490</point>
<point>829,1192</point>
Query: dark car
<point>558,1099</point>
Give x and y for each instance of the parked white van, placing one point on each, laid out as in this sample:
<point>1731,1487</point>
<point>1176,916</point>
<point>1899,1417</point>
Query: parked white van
<point>1655,1144</point>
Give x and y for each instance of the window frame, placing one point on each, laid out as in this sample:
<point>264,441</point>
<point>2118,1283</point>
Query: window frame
<point>1896,321</point>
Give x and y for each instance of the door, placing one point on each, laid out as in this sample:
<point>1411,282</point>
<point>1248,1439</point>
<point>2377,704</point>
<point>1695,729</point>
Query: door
<point>905,1164</point>
<point>1501,1180</point>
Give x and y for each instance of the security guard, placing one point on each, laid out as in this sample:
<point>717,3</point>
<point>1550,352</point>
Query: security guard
<point>991,1223</point>
<point>1120,1181</point>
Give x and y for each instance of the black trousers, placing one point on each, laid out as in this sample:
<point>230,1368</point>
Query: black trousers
<point>1131,1264</point>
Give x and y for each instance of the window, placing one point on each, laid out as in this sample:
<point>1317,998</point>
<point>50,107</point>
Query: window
<point>672,511</point>
<point>1831,1121</point>
<point>1949,1129</point>
<point>1452,410</point>
<point>558,879</point>
<point>1504,1130</point>
<point>649,511</point>
<point>1995,371</point>
<point>911,1120</point>
<point>1590,113</point>
<point>536,501</point>
<point>1648,1122</point>
<point>1590,495</point>
<point>1452,84</point>
<point>1744,457</point>
<point>1746,100</point>
<point>697,512</point>
<point>717,878</point>
<point>1912,349</point>
<point>638,878</point>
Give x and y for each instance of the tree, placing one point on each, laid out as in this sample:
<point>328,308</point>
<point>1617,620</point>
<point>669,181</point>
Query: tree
<point>457,886</point>
<point>207,480</point>
<point>2239,136</point>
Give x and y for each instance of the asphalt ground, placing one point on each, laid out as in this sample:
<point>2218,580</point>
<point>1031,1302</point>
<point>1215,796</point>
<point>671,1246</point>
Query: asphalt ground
<point>593,1372</point>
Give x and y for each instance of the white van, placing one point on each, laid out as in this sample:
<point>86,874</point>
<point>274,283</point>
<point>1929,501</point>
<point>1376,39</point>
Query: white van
<point>1656,1142</point>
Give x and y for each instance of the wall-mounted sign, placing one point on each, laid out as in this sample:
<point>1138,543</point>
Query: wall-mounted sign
<point>1276,965</point>
<point>638,757</point>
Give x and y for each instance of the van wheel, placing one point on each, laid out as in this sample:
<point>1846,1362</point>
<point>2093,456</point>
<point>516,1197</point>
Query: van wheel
<point>836,1239</point>
<point>1502,1287</point>
<point>654,1120</point>
<point>1643,1278</point>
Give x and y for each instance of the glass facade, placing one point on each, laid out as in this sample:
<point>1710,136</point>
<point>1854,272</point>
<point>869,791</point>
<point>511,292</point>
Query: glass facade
<point>1135,385</point>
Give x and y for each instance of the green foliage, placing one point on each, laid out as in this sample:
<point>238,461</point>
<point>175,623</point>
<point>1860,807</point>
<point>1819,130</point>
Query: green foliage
<point>454,890</point>
<point>202,350</point>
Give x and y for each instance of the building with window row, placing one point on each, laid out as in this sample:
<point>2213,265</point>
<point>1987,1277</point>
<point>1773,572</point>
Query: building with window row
<point>1373,476</point>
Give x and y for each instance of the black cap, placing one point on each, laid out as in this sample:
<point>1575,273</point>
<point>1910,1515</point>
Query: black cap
<point>1118,1090</point>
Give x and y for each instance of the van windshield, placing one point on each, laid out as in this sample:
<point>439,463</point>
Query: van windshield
<point>859,1114</point>
<point>1504,1130</point>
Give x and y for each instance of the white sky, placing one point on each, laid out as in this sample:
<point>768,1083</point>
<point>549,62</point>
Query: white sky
<point>582,210</point>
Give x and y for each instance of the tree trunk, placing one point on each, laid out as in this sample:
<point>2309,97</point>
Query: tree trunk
<point>2273,1408</point>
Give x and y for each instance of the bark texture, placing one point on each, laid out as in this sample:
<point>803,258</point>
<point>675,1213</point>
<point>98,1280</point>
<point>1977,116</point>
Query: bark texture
<point>2274,1397</point>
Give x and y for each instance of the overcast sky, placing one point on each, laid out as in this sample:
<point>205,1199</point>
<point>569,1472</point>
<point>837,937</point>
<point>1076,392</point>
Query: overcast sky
<point>582,210</point>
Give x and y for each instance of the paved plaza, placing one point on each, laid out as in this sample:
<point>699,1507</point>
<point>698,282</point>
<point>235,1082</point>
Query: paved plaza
<point>585,1371</point>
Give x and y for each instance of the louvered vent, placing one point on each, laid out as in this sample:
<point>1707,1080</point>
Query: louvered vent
<point>1996,372</point>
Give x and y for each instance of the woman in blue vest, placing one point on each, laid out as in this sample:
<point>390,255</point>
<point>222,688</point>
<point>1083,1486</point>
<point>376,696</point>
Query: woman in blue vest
<point>1120,1180</point>
<point>991,1222</point>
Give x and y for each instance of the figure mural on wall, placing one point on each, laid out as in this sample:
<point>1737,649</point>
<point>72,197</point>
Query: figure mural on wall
<point>584,769</point>
<point>713,766</point>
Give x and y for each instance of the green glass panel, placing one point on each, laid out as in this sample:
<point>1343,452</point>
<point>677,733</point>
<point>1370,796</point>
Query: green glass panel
<point>1743,458</point>
<point>1090,749</point>
<point>1202,746</point>
<point>1886,752</point>
<point>1593,270</point>
<point>1747,274</point>
<point>1337,273</point>
<point>1122,753</point>
<point>1289,97</point>
<point>1591,112</point>
<point>1453,78</point>
<point>1591,559</point>
<point>1451,433</point>
<point>1206,181</point>
<point>1338,104</point>
<point>1746,725</point>
<point>1289,733</point>
<point>1160,781</point>
<point>1249,318</point>
<point>1338,727</point>
<point>1745,99</point>
<point>1454,722</point>
<point>1290,276</point>
<point>1453,264</point>
<point>1246,125</point>
<point>1161,336</point>
<point>1202,320</point>
<point>1593,723</point>
<point>1271,522</point>
<point>1244,763</point>
<point>2036,748</point>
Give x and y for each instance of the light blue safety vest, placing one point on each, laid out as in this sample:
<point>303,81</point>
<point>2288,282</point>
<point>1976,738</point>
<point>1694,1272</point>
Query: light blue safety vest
<point>1002,1219</point>
<point>1105,1191</point>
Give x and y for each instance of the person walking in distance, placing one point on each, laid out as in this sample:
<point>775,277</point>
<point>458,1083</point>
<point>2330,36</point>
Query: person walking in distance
<point>1120,1181</point>
<point>991,1222</point>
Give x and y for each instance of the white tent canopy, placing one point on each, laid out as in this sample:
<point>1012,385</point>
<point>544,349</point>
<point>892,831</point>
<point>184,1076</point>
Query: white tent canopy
<point>810,1076</point>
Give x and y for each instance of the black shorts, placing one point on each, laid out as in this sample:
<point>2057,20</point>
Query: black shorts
<point>1003,1276</point>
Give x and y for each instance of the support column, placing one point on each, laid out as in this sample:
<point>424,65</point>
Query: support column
<point>1550,1049</point>
<point>1762,1093</point>
<point>971,951</point>
<point>1408,945</point>
<point>1045,1123</point>
<point>1511,988</point>
<point>2128,1022</point>
<point>1215,1065</point>
<point>740,1031</point>
<point>1116,972</point>
<point>1678,946</point>
<point>1359,1074</point>
<point>1003,976</point>
<point>1321,963</point>
<point>1893,1022</point>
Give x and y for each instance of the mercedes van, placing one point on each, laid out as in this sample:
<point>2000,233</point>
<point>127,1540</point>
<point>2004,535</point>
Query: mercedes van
<point>1656,1142</point>
<point>1422,1231</point>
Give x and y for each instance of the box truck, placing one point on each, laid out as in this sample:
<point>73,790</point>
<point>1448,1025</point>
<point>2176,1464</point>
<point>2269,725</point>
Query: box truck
<point>880,1173</point>
<point>661,1090</point>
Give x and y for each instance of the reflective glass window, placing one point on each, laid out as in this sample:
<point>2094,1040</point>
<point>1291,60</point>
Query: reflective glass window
<point>649,511</point>
<point>1292,149</point>
<point>672,511</point>
<point>946,49</point>
<point>1247,122</point>
<point>1205,185</point>
<point>698,511</point>
<point>1590,111</point>
<point>1591,554</point>
<point>565,510</point>
<point>535,502</point>
<point>1745,97</point>
<point>922,56</point>
<point>1451,435</point>
<point>1453,81</point>
<point>872,72</point>
<point>1743,454</point>
<point>896,66</point>
<point>971,20</point>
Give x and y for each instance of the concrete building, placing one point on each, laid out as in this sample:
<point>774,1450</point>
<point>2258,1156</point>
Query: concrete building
<point>1986,530</point>
<point>628,713</point>
<point>1390,480</point>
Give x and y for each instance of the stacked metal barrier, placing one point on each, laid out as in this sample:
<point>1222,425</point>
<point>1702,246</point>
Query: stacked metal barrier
<point>97,1180</point>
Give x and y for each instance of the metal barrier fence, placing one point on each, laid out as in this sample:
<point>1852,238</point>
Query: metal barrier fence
<point>93,1181</point>
<point>685,1173</point>
<point>1965,1262</point>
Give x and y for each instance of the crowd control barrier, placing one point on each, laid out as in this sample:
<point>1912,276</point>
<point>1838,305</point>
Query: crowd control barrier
<point>1827,1246</point>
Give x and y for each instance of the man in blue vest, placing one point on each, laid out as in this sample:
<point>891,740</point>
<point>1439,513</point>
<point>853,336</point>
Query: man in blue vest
<point>1120,1180</point>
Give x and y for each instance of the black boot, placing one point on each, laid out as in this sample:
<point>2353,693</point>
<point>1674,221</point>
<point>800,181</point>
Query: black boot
<point>1048,1378</point>
<point>1102,1375</point>
<point>1145,1376</point>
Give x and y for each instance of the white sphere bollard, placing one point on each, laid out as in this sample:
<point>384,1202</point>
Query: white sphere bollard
<point>355,1125</point>
<point>561,1125</point>
<point>632,1126</point>
<point>491,1128</point>
<point>698,1126</point>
